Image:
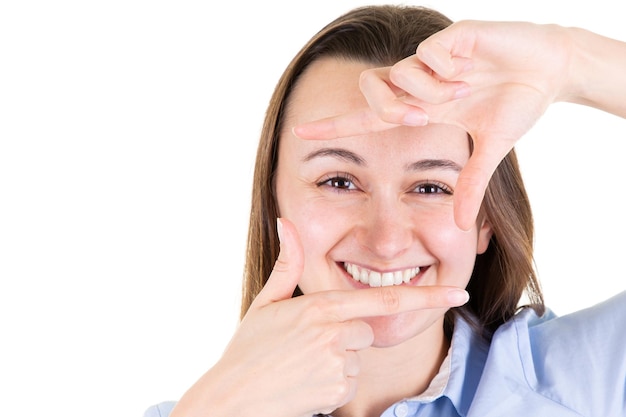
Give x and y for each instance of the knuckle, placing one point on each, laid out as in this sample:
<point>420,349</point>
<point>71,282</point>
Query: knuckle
<point>319,306</point>
<point>389,300</point>
<point>367,334</point>
<point>329,340</point>
<point>367,77</point>
<point>441,93</point>
<point>390,113</point>
<point>313,308</point>
<point>473,178</point>
<point>396,74</point>
<point>373,85</point>
<point>329,304</point>
<point>336,365</point>
<point>340,391</point>
<point>281,265</point>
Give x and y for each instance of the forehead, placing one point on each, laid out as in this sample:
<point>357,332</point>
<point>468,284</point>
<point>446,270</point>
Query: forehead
<point>330,87</point>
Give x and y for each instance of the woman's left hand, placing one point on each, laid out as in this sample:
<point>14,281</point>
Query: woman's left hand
<point>494,80</point>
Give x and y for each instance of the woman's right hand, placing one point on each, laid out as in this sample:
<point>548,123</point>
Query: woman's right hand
<point>299,356</point>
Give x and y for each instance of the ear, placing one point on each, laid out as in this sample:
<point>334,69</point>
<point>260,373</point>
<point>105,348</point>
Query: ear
<point>484,236</point>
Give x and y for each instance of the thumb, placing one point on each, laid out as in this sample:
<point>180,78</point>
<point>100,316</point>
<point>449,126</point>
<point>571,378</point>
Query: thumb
<point>287,269</point>
<point>473,181</point>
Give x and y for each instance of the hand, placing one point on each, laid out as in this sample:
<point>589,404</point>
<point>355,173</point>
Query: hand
<point>493,80</point>
<point>299,356</point>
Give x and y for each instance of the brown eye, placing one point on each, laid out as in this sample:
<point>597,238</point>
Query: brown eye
<point>432,188</point>
<point>428,189</point>
<point>342,183</point>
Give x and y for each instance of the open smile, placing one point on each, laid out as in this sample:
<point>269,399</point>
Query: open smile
<point>381,279</point>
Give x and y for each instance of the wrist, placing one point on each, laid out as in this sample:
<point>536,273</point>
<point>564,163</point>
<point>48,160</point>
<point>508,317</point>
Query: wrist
<point>595,76</point>
<point>575,88</point>
<point>216,393</point>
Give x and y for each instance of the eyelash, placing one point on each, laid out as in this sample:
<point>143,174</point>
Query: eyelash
<point>435,187</point>
<point>438,186</point>
<point>343,177</point>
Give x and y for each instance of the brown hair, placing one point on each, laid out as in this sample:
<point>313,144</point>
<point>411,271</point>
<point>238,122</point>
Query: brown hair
<point>383,35</point>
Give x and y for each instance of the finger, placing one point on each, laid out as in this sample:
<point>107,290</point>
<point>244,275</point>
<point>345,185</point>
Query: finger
<point>439,59</point>
<point>385,301</point>
<point>387,100</point>
<point>386,111</point>
<point>448,52</point>
<point>352,364</point>
<point>422,85</point>
<point>347,393</point>
<point>341,126</point>
<point>356,335</point>
<point>473,181</point>
<point>287,269</point>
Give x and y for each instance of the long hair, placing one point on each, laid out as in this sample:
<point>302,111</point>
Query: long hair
<point>381,36</point>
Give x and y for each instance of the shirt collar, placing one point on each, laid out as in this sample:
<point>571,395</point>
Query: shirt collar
<point>460,371</point>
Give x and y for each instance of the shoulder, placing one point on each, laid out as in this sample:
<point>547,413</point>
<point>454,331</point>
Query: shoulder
<point>160,410</point>
<point>578,359</point>
<point>596,333</point>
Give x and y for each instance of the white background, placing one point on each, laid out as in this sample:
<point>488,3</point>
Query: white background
<point>127,136</point>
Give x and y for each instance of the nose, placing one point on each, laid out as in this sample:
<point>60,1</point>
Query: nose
<point>386,229</point>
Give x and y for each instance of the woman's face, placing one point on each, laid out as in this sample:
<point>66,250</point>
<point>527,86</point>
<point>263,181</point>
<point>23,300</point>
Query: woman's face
<point>376,209</point>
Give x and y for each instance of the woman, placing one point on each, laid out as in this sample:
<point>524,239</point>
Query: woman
<point>360,309</point>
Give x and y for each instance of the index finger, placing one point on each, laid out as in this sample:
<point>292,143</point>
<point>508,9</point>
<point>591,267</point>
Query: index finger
<point>386,109</point>
<point>349,124</point>
<point>387,301</point>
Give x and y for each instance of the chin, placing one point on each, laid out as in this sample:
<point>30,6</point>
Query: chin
<point>394,330</point>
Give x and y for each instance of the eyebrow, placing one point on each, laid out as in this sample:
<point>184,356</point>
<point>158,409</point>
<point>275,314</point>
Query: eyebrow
<point>349,156</point>
<point>428,164</point>
<point>338,153</point>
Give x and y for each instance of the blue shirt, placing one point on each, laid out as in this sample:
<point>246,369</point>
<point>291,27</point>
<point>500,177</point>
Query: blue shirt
<point>574,365</point>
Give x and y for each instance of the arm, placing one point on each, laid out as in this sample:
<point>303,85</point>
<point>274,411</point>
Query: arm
<point>598,70</point>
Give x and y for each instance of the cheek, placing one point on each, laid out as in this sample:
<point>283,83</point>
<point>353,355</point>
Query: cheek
<point>454,249</point>
<point>319,234</point>
<point>321,226</point>
<point>319,221</point>
<point>319,230</point>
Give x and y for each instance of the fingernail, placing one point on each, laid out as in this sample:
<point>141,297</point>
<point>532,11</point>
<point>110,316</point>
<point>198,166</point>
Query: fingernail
<point>458,296</point>
<point>294,131</point>
<point>415,118</point>
<point>462,92</point>
<point>279,229</point>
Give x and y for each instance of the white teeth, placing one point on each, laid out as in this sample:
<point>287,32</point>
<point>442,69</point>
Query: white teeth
<point>387,279</point>
<point>363,277</point>
<point>374,279</point>
<point>378,279</point>
<point>397,278</point>
<point>407,274</point>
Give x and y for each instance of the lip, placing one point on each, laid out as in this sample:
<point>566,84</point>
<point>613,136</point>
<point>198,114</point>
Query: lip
<point>415,281</point>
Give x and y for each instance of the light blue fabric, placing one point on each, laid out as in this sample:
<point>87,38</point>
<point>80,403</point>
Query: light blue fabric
<point>549,366</point>
<point>160,410</point>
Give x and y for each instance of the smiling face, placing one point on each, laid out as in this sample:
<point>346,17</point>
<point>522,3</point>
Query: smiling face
<point>376,209</point>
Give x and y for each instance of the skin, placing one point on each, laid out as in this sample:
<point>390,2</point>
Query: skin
<point>372,201</point>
